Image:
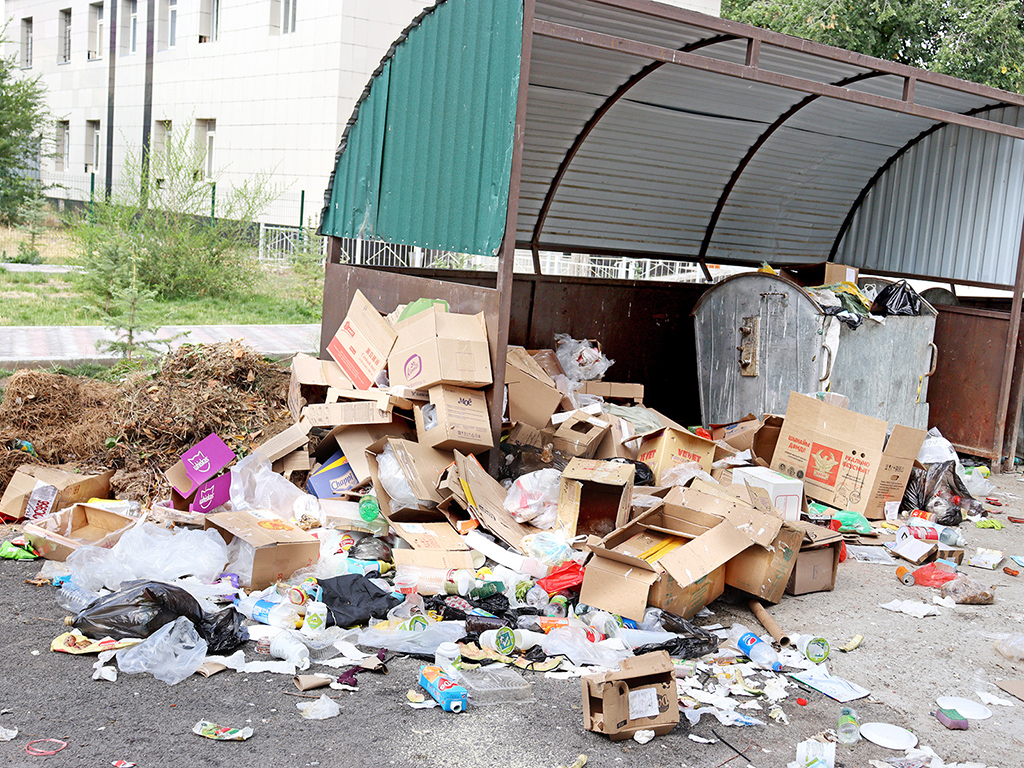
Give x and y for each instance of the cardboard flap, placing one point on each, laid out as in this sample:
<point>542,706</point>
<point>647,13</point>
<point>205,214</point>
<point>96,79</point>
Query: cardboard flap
<point>487,503</point>
<point>704,554</point>
<point>598,471</point>
<point>524,365</point>
<point>816,535</point>
<point>616,587</point>
<point>259,527</point>
<point>809,412</point>
<point>422,467</point>
<point>434,558</point>
<point>759,527</point>
<point>347,413</point>
<point>904,442</point>
<point>362,343</point>
<point>283,443</point>
<point>432,536</point>
<point>354,439</point>
<point>323,373</point>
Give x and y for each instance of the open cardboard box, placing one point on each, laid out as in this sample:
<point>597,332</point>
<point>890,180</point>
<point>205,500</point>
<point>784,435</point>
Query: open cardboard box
<point>594,497</point>
<point>353,440</point>
<point>667,447</point>
<point>484,498</point>
<point>310,381</point>
<point>362,343</point>
<point>280,548</point>
<point>59,534</point>
<point>195,485</point>
<point>460,420</point>
<point>817,561</point>
<point>580,435</point>
<point>843,457</point>
<point>532,394</point>
<point>438,347</point>
<point>421,466</point>
<point>50,489</point>
<point>640,695</point>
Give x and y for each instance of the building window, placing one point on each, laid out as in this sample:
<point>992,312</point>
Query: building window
<point>95,31</point>
<point>172,23</point>
<point>26,43</point>
<point>64,42</point>
<point>206,131</point>
<point>92,145</point>
<point>63,154</point>
<point>209,21</point>
<point>130,26</point>
<point>288,16</point>
<point>160,152</point>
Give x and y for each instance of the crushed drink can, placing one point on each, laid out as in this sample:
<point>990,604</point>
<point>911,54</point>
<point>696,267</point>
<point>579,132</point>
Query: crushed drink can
<point>445,691</point>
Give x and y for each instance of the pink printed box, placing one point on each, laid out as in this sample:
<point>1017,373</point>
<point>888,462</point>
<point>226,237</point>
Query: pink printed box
<point>196,482</point>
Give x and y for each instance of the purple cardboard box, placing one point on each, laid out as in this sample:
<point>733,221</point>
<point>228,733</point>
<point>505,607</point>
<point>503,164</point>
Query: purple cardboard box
<point>207,497</point>
<point>200,463</point>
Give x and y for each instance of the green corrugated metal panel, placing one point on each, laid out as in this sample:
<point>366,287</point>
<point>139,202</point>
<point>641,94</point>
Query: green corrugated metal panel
<point>428,157</point>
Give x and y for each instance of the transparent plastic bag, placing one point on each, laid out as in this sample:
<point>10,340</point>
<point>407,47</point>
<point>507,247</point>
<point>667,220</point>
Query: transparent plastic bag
<point>581,360</point>
<point>255,485</point>
<point>321,709</point>
<point>413,641</point>
<point>533,498</point>
<point>967,591</point>
<point>1011,647</point>
<point>682,474</point>
<point>977,484</point>
<point>391,476</point>
<point>548,547</point>
<point>572,642</point>
<point>172,653</point>
<point>241,558</point>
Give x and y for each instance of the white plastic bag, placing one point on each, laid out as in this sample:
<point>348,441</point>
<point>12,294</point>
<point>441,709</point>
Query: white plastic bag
<point>580,360</point>
<point>255,485</point>
<point>391,476</point>
<point>413,641</point>
<point>936,449</point>
<point>321,709</point>
<point>172,653</point>
<point>977,484</point>
<point>533,498</point>
<point>572,642</point>
<point>681,474</point>
<point>548,547</point>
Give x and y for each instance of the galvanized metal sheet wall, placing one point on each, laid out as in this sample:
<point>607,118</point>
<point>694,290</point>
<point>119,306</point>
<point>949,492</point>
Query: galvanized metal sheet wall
<point>952,207</point>
<point>428,160</point>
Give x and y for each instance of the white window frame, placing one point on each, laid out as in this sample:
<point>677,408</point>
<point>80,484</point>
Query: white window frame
<point>92,145</point>
<point>27,42</point>
<point>96,27</point>
<point>172,23</point>
<point>209,21</point>
<point>64,40</point>
<point>288,15</point>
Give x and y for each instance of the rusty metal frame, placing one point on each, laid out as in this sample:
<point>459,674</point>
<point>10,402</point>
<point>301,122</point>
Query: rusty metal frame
<point>1013,363</point>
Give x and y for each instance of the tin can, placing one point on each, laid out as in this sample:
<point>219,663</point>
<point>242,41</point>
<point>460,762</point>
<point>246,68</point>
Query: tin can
<point>905,575</point>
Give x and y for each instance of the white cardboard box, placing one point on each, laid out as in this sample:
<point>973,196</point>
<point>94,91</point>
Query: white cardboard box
<point>787,492</point>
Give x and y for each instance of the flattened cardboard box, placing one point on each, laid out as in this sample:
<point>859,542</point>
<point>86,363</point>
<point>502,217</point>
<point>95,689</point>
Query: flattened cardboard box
<point>667,447</point>
<point>280,547</point>
<point>485,498</point>
<point>843,457</point>
<point>311,378</point>
<point>613,391</point>
<point>532,395</point>
<point>57,535</point>
<point>640,695</point>
<point>68,487</point>
<point>362,343</point>
<point>461,421</point>
<point>358,407</point>
<point>436,347</point>
<point>594,497</point>
<point>286,441</point>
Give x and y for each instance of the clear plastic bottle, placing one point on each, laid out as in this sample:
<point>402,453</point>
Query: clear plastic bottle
<point>950,537</point>
<point>268,607</point>
<point>75,598</point>
<point>557,606</point>
<point>754,648</point>
<point>446,656</point>
<point>537,598</point>
<point>848,729</point>
<point>438,581</point>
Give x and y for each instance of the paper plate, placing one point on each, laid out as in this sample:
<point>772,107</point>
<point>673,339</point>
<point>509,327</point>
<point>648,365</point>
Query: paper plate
<point>972,710</point>
<point>888,736</point>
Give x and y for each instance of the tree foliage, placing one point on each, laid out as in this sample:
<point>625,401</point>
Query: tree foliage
<point>978,40</point>
<point>24,119</point>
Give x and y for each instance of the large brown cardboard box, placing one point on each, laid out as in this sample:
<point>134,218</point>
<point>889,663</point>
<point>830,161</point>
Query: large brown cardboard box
<point>362,343</point>
<point>437,347</point>
<point>580,435</point>
<point>594,497</point>
<point>639,696</point>
<point>59,534</point>
<point>840,273</point>
<point>614,391</point>
<point>311,378</point>
<point>421,466</point>
<point>460,420</point>
<point>665,448</point>
<point>280,547</point>
<point>532,395</point>
<point>817,561</point>
<point>58,488</point>
<point>843,457</point>
<point>765,572</point>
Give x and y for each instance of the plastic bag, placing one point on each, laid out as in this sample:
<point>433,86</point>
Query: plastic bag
<point>370,548</point>
<point>353,599</point>
<point>896,299</point>
<point>930,576</point>
<point>549,547</point>
<point>1011,647</point>
<point>566,576</point>
<point>391,476</point>
<point>940,490</point>
<point>170,654</point>
<point>143,607</point>
<point>150,552</point>
<point>533,498</point>
<point>977,484</point>
<point>852,521</point>
<point>422,642</point>
<point>967,591</point>
<point>572,642</point>
<point>681,474</point>
<point>581,360</point>
<point>519,460</point>
<point>936,448</point>
<point>321,709</point>
<point>255,485</point>
<point>241,558</point>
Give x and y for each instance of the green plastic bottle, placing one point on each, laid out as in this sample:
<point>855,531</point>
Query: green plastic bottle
<point>369,509</point>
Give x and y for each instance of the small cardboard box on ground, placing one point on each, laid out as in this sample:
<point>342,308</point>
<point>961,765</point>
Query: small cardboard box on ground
<point>194,478</point>
<point>280,548</point>
<point>787,493</point>
<point>362,343</point>
<point>639,696</point>
<point>667,447</point>
<point>311,378</point>
<point>458,420</point>
<point>843,457</point>
<point>594,497</point>
<point>34,491</point>
<point>59,534</point>
<point>532,395</point>
<point>437,347</point>
<point>817,561</point>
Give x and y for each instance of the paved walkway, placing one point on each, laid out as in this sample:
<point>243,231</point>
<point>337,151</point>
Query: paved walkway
<point>42,347</point>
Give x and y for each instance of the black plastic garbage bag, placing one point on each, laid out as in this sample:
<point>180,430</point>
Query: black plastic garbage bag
<point>371,548</point>
<point>642,474</point>
<point>353,599</point>
<point>940,490</point>
<point>897,299</point>
<point>140,608</point>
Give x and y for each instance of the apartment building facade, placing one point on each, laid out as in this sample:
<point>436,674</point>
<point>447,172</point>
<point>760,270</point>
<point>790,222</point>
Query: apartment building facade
<point>265,86</point>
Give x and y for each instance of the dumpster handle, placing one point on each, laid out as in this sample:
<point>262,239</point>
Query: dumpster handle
<point>828,372</point>
<point>935,357</point>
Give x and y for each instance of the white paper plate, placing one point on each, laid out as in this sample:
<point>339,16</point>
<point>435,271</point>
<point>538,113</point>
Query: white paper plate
<point>888,736</point>
<point>972,710</point>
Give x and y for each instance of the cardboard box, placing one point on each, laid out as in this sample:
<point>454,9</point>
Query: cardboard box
<point>673,556</point>
<point>614,392</point>
<point>50,489</point>
<point>421,466</point>
<point>616,443</point>
<point>594,497</point>
<point>448,559</point>
<point>786,493</point>
<point>286,441</point>
<point>738,434</point>
<point>358,407</point>
<point>484,498</point>
<point>640,695</point>
<point>311,378</point>
<point>667,447</point>
<point>333,478</point>
<point>199,464</point>
<point>580,435</point>
<point>765,573</point>
<point>437,347</point>
<point>280,548</point>
<point>460,420</point>
<point>355,439</point>
<point>362,343</point>
<point>207,497</point>
<point>840,273</point>
<point>817,562</point>
<point>765,438</point>
<point>843,457</point>
<point>59,534</point>
<point>532,394</point>
<point>296,461</point>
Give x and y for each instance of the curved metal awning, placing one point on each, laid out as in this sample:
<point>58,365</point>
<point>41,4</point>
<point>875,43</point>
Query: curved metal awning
<point>653,131</point>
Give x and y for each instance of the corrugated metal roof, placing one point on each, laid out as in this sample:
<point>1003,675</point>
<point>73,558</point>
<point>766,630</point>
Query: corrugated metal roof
<point>626,153</point>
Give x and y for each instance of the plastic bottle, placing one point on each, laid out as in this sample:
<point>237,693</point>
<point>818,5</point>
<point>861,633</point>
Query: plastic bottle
<point>445,657</point>
<point>74,597</point>
<point>557,606</point>
<point>369,509</point>
<point>814,648</point>
<point>268,607</point>
<point>537,598</point>
<point>754,648</point>
<point>284,646</point>
<point>950,537</point>
<point>438,581</point>
<point>849,726</point>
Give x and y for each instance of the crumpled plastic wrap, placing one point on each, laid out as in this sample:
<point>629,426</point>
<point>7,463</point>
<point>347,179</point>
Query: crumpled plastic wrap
<point>533,498</point>
<point>170,654</point>
<point>581,360</point>
<point>968,591</point>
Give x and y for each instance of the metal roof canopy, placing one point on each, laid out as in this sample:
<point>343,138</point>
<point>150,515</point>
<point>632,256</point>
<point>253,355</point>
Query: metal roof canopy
<point>628,127</point>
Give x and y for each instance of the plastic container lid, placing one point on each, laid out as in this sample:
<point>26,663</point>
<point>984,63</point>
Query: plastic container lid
<point>406,584</point>
<point>496,685</point>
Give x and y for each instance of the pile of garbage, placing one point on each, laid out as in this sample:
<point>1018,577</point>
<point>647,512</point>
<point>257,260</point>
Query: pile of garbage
<point>363,526</point>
